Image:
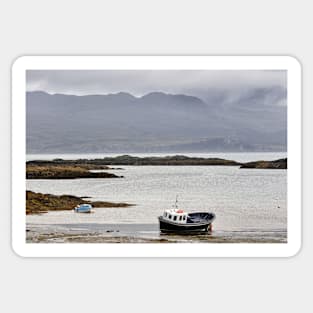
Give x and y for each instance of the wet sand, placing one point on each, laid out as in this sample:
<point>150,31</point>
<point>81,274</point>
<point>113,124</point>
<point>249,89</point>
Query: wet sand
<point>142,233</point>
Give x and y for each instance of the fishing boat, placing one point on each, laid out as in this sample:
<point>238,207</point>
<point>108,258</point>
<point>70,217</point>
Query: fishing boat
<point>83,208</point>
<point>178,221</point>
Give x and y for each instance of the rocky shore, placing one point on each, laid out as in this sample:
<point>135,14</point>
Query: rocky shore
<point>104,163</point>
<point>68,170</point>
<point>37,203</point>
<point>277,164</point>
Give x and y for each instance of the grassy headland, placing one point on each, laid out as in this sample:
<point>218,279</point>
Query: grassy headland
<point>37,203</point>
<point>55,170</point>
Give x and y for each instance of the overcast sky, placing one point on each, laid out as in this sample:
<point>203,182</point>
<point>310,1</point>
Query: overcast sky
<point>141,82</point>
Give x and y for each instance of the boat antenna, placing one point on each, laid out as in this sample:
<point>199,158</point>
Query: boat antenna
<point>176,206</point>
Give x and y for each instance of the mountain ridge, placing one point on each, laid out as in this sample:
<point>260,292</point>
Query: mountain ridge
<point>156,121</point>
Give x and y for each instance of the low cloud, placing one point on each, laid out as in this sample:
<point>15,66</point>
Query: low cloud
<point>140,82</point>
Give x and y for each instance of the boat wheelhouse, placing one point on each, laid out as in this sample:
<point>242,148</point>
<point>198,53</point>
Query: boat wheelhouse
<point>175,215</point>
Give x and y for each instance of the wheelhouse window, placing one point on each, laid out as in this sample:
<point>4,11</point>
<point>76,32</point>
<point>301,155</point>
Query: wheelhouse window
<point>170,216</point>
<point>175,218</point>
<point>180,218</point>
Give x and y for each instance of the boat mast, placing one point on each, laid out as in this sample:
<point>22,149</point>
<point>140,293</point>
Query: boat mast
<point>176,206</point>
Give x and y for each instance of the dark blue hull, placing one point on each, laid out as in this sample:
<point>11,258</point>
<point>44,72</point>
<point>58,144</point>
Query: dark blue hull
<point>196,222</point>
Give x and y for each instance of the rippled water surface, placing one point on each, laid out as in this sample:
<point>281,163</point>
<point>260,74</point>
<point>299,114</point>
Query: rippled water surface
<point>242,199</point>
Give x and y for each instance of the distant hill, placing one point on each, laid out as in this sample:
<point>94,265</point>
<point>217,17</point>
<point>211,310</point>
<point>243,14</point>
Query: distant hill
<point>156,122</point>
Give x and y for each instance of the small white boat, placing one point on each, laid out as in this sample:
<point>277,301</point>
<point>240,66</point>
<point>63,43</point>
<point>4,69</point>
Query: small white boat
<point>83,208</point>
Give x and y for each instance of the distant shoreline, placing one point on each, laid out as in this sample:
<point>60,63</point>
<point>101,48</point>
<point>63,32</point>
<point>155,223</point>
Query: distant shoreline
<point>31,156</point>
<point>60,168</point>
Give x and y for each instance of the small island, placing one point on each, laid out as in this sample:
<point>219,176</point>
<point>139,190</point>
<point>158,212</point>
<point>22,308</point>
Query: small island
<point>277,164</point>
<point>38,203</point>
<point>65,170</point>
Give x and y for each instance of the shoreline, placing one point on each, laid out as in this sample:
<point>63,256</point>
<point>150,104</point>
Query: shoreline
<point>67,170</point>
<point>82,168</point>
<point>137,233</point>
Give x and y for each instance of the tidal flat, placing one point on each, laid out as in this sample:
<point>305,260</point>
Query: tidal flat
<point>143,233</point>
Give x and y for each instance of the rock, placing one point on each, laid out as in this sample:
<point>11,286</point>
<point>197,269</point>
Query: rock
<point>277,164</point>
<point>51,171</point>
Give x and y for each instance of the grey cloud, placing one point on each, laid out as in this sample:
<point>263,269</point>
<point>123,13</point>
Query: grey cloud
<point>225,85</point>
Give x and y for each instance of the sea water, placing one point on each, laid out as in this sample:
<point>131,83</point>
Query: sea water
<point>242,199</point>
